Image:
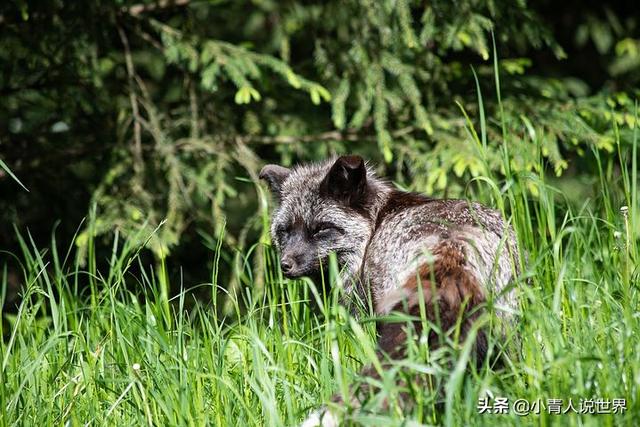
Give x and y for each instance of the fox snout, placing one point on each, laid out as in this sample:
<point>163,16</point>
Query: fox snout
<point>297,264</point>
<point>288,265</point>
<point>299,255</point>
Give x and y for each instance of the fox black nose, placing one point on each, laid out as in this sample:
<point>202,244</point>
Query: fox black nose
<point>287,265</point>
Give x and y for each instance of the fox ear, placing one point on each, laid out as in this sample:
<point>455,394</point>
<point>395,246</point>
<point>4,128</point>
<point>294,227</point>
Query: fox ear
<point>346,180</point>
<point>275,176</point>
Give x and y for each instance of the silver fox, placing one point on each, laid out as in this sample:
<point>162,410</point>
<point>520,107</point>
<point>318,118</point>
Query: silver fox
<point>390,242</point>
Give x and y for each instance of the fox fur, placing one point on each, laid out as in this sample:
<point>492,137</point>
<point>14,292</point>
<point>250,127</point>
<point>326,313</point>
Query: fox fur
<point>390,242</point>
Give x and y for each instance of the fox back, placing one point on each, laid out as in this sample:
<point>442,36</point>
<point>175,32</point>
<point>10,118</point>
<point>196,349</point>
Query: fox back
<point>388,241</point>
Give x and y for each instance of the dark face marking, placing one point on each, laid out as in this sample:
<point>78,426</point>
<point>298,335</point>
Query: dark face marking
<point>304,247</point>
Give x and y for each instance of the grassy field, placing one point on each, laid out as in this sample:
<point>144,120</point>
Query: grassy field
<point>107,346</point>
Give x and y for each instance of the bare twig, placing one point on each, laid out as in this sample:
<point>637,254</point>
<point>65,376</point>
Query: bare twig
<point>320,137</point>
<point>193,107</point>
<point>138,9</point>
<point>155,43</point>
<point>137,131</point>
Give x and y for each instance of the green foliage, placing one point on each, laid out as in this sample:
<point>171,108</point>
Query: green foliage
<point>6,169</point>
<point>122,352</point>
<point>155,117</point>
<point>152,111</point>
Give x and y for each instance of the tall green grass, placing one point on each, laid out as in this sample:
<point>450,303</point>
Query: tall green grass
<point>109,346</point>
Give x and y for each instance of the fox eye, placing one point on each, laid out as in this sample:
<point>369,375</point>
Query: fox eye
<point>324,228</point>
<point>282,230</point>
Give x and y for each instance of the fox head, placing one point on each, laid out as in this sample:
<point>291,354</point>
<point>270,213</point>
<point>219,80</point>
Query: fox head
<point>322,208</point>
